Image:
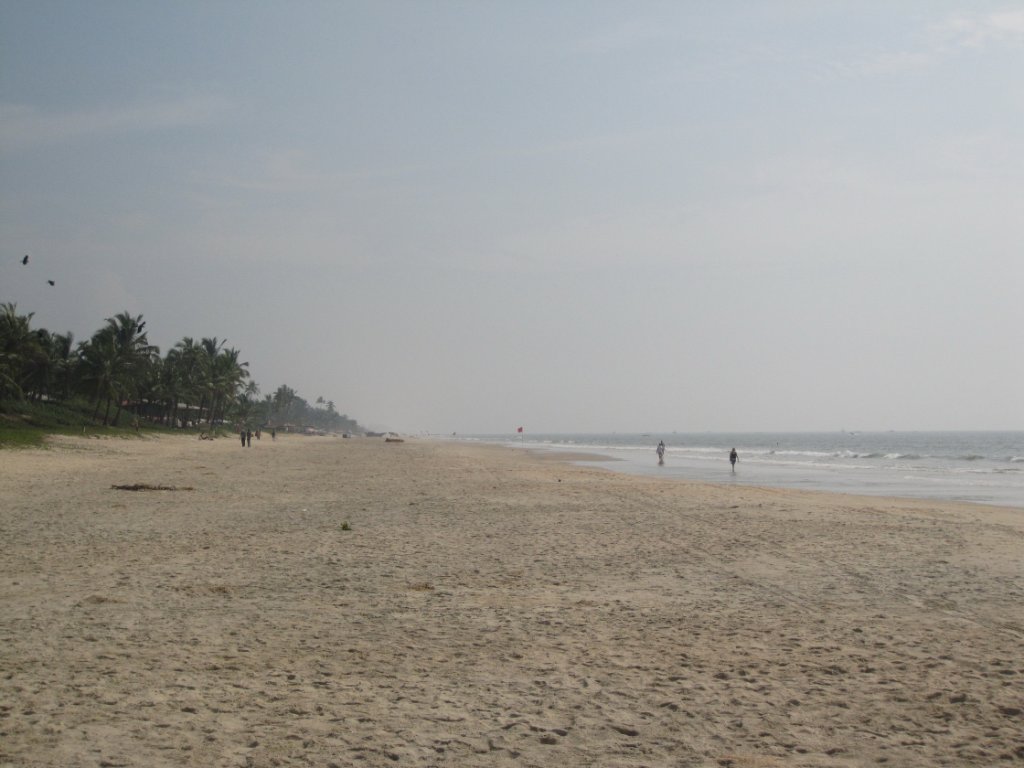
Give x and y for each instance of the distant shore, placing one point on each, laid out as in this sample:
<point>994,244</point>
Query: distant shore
<point>168,601</point>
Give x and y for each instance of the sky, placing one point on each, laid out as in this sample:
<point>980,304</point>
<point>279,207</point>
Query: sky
<point>566,215</point>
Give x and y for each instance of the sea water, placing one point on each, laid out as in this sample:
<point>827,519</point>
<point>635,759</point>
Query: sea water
<point>982,467</point>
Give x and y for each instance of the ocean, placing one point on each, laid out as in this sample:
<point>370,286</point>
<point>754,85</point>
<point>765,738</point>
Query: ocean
<point>981,467</point>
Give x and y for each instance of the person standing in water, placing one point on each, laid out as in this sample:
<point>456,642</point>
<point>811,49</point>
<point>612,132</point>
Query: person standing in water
<point>733,458</point>
<point>661,452</point>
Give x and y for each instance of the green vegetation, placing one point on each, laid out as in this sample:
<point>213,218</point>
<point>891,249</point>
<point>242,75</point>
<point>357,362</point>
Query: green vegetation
<point>24,423</point>
<point>49,384</point>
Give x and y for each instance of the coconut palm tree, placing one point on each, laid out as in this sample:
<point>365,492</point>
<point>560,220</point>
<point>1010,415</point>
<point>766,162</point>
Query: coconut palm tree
<point>19,346</point>
<point>37,365</point>
<point>245,402</point>
<point>100,370</point>
<point>209,349</point>
<point>47,362</point>
<point>62,354</point>
<point>183,377</point>
<point>284,396</point>
<point>117,362</point>
<point>227,375</point>
<point>134,355</point>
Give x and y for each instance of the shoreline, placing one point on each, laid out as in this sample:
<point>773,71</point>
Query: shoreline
<point>485,607</point>
<point>956,486</point>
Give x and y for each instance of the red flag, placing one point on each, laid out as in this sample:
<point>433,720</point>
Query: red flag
<point>519,430</point>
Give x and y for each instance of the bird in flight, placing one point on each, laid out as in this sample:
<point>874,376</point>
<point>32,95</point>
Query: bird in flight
<point>51,282</point>
<point>25,260</point>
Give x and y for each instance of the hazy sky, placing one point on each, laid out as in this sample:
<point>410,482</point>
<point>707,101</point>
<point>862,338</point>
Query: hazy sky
<point>570,216</point>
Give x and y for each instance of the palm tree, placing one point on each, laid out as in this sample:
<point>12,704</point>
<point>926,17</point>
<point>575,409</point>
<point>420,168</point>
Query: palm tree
<point>245,401</point>
<point>184,376</point>
<point>48,362</point>
<point>62,354</point>
<point>209,349</point>
<point>100,370</point>
<point>117,360</point>
<point>284,396</point>
<point>170,388</point>
<point>227,375</point>
<point>19,346</point>
<point>134,355</point>
<point>37,365</point>
<point>188,376</point>
<point>118,363</point>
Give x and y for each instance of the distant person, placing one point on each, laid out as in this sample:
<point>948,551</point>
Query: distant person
<point>248,438</point>
<point>273,433</point>
<point>661,453</point>
<point>733,458</point>
<point>242,435</point>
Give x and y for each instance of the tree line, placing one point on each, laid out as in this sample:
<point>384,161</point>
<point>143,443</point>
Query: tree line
<point>117,369</point>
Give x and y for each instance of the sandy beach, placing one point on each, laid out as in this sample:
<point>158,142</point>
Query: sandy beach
<point>333,602</point>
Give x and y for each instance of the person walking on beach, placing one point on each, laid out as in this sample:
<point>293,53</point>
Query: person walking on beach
<point>733,458</point>
<point>661,452</point>
<point>242,435</point>
<point>248,438</point>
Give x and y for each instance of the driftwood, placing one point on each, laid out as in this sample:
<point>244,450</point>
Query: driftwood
<point>393,440</point>
<point>147,487</point>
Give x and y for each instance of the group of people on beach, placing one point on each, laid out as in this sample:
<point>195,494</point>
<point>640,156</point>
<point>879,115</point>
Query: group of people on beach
<point>246,435</point>
<point>660,450</point>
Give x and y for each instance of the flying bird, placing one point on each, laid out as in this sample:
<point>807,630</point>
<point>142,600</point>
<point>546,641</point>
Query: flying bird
<point>25,260</point>
<point>51,282</point>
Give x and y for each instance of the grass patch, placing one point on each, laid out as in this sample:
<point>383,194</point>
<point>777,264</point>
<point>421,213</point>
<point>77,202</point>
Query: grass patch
<point>26,425</point>
<point>21,438</point>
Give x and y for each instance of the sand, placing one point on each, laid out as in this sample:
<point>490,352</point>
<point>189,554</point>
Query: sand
<point>487,607</point>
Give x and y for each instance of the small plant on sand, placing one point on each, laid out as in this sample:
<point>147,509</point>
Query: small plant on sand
<point>345,526</point>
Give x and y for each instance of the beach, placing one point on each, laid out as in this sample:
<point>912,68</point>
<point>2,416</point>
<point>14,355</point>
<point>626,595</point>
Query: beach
<point>335,602</point>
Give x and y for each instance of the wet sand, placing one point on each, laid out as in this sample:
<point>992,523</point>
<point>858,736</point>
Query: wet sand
<point>330,602</point>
